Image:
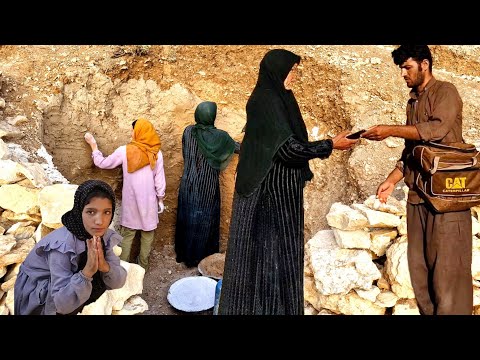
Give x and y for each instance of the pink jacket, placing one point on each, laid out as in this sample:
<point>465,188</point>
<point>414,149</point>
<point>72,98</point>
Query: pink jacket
<point>141,189</point>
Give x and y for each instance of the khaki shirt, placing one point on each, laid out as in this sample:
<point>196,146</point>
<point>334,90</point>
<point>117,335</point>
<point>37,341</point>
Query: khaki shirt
<point>437,114</point>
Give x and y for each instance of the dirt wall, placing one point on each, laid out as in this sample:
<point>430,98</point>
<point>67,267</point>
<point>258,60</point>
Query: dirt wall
<point>67,90</point>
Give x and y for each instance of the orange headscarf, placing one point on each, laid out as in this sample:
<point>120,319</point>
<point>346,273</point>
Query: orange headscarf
<point>144,147</point>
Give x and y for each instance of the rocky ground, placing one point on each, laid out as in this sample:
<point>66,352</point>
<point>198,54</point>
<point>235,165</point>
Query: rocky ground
<point>162,273</point>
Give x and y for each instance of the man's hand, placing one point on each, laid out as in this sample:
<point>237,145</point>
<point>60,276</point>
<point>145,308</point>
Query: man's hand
<point>384,190</point>
<point>377,133</point>
<point>381,132</point>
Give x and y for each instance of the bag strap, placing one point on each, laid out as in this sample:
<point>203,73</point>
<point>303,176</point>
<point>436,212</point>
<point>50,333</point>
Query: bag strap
<point>436,160</point>
<point>449,147</point>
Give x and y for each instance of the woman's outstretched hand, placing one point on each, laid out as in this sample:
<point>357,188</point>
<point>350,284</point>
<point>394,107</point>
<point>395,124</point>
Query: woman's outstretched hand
<point>91,141</point>
<point>341,142</point>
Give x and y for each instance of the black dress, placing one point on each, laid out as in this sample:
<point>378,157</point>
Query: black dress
<point>264,264</point>
<point>197,231</point>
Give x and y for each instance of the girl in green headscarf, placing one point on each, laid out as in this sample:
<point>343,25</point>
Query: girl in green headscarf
<point>216,145</point>
<point>206,151</point>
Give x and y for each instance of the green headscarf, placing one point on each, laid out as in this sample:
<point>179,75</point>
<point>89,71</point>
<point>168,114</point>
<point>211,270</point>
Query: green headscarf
<point>215,144</point>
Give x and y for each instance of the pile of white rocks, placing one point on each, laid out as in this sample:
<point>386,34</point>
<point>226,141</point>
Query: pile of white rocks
<point>360,266</point>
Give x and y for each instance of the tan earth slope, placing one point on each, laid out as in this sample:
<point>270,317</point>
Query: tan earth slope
<point>62,91</point>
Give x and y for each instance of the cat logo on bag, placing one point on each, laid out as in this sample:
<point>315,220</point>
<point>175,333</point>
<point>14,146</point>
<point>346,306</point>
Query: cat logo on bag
<point>455,184</point>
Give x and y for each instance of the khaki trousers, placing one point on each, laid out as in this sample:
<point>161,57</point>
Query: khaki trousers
<point>440,260</point>
<point>146,241</point>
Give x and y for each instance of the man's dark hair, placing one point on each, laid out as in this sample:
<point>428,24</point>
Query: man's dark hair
<point>416,52</point>
<point>133,124</point>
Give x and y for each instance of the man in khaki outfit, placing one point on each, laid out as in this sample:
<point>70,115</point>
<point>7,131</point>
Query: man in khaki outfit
<point>439,245</point>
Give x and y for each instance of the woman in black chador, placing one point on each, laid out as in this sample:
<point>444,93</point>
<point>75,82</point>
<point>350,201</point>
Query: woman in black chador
<point>206,151</point>
<point>264,261</point>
